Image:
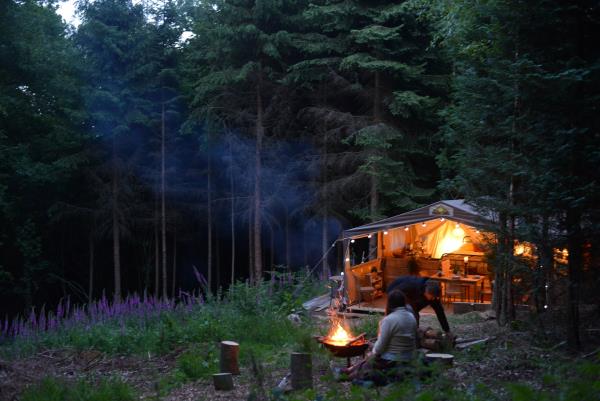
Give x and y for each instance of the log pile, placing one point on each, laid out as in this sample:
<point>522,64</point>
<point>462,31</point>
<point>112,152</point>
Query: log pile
<point>435,340</point>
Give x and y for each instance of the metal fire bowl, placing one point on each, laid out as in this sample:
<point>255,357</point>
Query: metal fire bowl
<point>347,351</point>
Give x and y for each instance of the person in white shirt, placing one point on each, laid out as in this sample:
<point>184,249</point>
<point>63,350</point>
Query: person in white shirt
<point>396,342</point>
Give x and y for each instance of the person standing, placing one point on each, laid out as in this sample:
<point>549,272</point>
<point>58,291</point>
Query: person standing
<point>421,292</point>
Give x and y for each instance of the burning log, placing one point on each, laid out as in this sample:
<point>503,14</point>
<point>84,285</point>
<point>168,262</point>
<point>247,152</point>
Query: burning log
<point>223,381</point>
<point>301,370</point>
<point>228,362</point>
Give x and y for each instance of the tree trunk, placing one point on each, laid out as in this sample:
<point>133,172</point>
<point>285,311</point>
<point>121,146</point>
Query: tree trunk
<point>272,255</point>
<point>374,195</point>
<point>91,270</point>
<point>250,249</point>
<point>174,273</point>
<point>325,246</point>
<point>574,240</point>
<point>258,263</point>
<point>232,192</point>
<point>288,259</point>
<point>209,255</point>
<point>115,225</point>
<point>163,216</point>
<point>156,250</point>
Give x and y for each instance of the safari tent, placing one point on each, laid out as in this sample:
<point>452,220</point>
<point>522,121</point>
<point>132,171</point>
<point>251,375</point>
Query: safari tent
<point>445,240</point>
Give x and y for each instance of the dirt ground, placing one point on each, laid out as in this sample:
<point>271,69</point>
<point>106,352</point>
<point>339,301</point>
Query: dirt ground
<point>507,356</point>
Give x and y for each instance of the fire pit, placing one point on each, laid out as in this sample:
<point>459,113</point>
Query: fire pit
<point>341,344</point>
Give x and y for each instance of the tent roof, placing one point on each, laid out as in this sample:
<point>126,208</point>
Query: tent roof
<point>455,209</point>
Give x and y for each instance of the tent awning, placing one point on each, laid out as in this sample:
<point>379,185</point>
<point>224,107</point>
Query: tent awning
<point>456,210</point>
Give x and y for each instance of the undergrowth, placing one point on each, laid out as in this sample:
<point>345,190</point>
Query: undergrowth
<point>56,390</point>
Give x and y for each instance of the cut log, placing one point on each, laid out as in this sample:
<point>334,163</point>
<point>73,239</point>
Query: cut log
<point>301,370</point>
<point>223,381</point>
<point>432,333</point>
<point>431,344</point>
<point>442,359</point>
<point>228,362</point>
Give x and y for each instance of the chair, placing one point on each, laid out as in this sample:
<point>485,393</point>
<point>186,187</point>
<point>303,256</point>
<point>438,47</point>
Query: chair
<point>453,289</point>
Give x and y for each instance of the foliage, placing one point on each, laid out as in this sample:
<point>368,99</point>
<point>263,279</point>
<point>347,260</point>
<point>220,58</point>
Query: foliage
<point>55,390</point>
<point>139,326</point>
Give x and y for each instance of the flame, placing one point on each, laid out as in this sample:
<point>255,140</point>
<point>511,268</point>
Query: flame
<point>338,336</point>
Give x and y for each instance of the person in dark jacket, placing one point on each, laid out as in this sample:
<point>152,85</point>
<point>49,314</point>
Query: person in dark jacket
<point>420,292</point>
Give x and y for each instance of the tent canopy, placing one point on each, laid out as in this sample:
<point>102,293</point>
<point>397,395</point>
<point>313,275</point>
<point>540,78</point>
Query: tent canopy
<point>456,210</point>
<point>434,230</point>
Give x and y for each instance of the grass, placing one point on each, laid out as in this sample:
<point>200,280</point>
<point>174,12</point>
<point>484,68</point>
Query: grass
<point>55,390</point>
<point>256,316</point>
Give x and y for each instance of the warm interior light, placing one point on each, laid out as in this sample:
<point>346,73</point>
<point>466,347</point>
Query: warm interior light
<point>453,241</point>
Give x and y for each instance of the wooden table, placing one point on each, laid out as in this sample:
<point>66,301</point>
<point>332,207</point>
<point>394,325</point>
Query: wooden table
<point>471,280</point>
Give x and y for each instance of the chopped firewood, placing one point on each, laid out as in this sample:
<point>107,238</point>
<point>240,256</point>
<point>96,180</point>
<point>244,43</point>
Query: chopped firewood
<point>223,381</point>
<point>229,357</point>
<point>431,344</point>
<point>474,342</point>
<point>356,338</point>
<point>301,370</point>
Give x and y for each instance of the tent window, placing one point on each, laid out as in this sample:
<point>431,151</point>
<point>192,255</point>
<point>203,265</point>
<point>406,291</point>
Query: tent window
<point>363,250</point>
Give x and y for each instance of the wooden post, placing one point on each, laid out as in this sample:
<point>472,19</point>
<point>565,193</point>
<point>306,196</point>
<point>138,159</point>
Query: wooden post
<point>223,381</point>
<point>301,369</point>
<point>229,357</point>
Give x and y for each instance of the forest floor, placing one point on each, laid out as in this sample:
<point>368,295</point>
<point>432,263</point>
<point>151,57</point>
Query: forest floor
<point>508,356</point>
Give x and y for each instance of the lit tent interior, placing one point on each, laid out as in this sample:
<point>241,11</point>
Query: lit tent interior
<point>447,230</point>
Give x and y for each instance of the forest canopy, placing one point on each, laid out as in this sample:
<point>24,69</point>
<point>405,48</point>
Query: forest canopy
<point>134,158</point>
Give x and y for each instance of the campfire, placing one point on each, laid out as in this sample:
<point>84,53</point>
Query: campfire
<point>340,342</point>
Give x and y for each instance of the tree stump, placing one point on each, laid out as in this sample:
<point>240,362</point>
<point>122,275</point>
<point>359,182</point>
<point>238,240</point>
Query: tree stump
<point>301,370</point>
<point>442,359</point>
<point>223,381</point>
<point>228,362</point>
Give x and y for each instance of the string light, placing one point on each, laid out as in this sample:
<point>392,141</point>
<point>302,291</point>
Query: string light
<point>352,241</point>
<point>347,259</point>
<point>442,219</point>
<point>545,306</point>
<point>423,224</point>
<point>406,228</point>
<point>385,233</point>
<point>457,225</point>
<point>369,236</point>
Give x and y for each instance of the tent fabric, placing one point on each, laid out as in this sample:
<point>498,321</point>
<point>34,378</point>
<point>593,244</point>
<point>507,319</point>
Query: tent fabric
<point>456,210</point>
<point>435,239</point>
